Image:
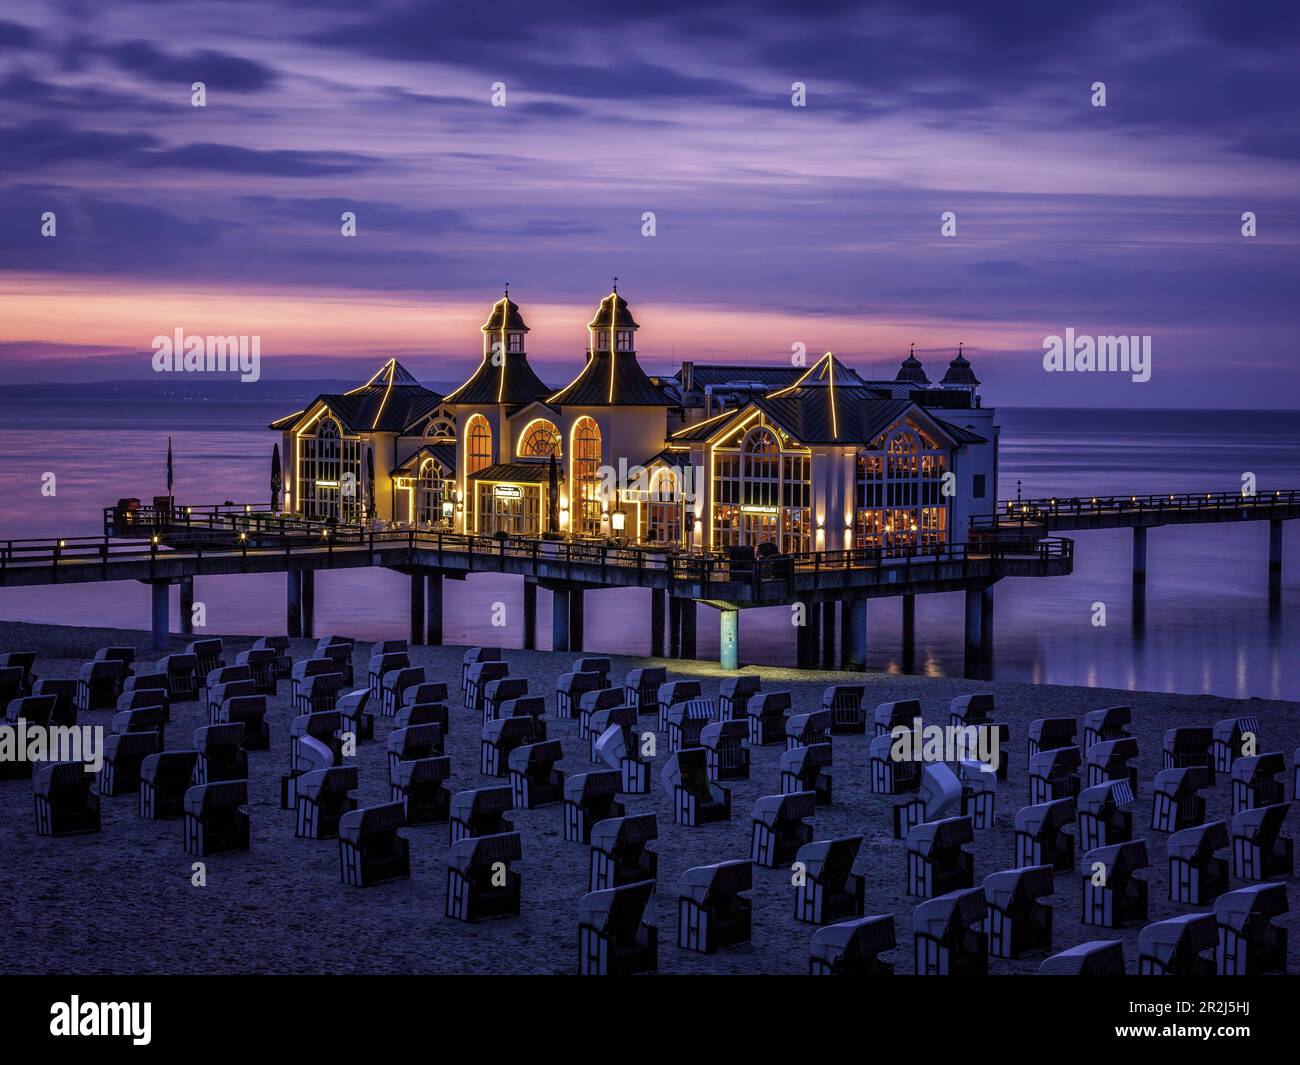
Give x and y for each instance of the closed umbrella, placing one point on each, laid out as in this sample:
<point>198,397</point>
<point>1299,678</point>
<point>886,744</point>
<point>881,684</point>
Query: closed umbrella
<point>553,497</point>
<point>277,480</point>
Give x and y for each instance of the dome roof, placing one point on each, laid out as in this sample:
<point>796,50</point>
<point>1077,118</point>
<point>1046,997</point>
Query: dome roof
<point>911,372</point>
<point>613,313</point>
<point>959,371</point>
<point>505,315</point>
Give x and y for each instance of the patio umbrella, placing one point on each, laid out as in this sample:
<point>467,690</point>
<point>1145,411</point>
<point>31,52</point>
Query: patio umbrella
<point>277,480</point>
<point>370,480</point>
<point>553,498</point>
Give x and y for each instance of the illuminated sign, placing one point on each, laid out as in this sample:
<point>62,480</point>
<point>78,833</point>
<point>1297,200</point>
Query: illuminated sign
<point>759,510</point>
<point>507,491</point>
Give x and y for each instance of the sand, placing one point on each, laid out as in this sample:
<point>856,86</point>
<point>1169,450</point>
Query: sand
<point>121,901</point>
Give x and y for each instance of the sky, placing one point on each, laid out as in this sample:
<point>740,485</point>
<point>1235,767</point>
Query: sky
<point>774,225</point>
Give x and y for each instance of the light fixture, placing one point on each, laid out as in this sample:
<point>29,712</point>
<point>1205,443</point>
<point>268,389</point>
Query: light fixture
<point>447,508</point>
<point>618,519</point>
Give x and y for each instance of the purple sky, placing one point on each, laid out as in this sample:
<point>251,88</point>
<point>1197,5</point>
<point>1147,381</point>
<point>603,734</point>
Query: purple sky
<point>775,224</point>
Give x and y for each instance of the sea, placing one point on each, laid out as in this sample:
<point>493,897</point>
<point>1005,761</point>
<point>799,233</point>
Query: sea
<point>1209,626</point>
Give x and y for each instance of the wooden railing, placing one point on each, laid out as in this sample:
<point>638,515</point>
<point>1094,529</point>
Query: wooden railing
<point>1037,511</point>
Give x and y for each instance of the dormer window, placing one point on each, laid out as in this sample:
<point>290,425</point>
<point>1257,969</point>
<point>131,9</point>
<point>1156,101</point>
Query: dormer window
<point>623,339</point>
<point>602,340</point>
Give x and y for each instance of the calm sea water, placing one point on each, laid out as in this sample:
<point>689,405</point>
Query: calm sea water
<point>1208,626</point>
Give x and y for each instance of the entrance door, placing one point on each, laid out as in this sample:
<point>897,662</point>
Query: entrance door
<point>511,508</point>
<point>758,529</point>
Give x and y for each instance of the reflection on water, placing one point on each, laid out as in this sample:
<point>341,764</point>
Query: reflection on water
<point>1207,625</point>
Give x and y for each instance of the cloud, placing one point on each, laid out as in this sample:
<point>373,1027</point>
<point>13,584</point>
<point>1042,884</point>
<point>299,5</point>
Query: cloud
<point>229,73</point>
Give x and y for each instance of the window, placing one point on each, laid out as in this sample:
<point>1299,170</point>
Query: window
<point>540,439</point>
<point>900,491</point>
<point>585,497</point>
<point>762,493</point>
<point>978,489</point>
<point>515,342</point>
<point>329,473</point>
<point>602,340</point>
<point>623,339</point>
<point>431,489</point>
<point>665,508</point>
<point>442,428</point>
<point>478,451</point>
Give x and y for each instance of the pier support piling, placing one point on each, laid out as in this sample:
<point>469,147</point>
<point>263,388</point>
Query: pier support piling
<point>828,634</point>
<point>657,597</point>
<point>909,633</point>
<point>1139,557</point>
<point>688,628</point>
<point>187,606</point>
<point>729,638</point>
<point>1275,557</point>
<point>530,614</point>
<point>674,627</point>
<point>161,606</point>
<point>418,581</point>
<point>806,638</point>
<point>974,631</point>
<point>854,634</point>
<point>309,604</point>
<point>293,602</point>
<point>577,611</point>
<point>560,619</point>
<point>433,608</point>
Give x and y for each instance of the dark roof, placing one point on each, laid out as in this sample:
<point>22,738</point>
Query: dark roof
<point>613,306</point>
<point>611,380</point>
<point>911,371</point>
<point>959,372</point>
<point>959,433</point>
<point>443,454</point>
<point>524,472</point>
<point>511,382</point>
<point>506,309</point>
<point>387,403</point>
<point>772,377</point>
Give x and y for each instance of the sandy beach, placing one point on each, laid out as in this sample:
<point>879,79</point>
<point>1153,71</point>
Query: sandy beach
<point>121,901</point>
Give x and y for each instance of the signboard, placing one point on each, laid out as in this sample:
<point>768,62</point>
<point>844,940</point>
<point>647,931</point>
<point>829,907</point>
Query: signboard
<point>507,491</point>
<point>759,510</point>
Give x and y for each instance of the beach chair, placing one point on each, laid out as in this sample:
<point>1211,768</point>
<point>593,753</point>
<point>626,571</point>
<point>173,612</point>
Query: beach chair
<point>1109,760</point>
<point>571,687</point>
<point>974,709</point>
<point>1259,850</point>
<point>613,938</point>
<point>396,681</point>
<point>99,684</point>
<point>412,742</point>
<point>221,753</point>
<point>319,693</point>
<point>890,776</point>
<point>65,805</point>
<point>165,776</point>
<point>779,828</point>
<point>1050,733</point>
<point>1016,921</point>
<point>1113,895</point>
<point>734,694</point>
<point>1178,946</point>
<point>322,797</point>
<point>766,713</point>
<point>480,882</point>
<point>937,797</point>
<point>226,682</point>
<point>1175,802</point>
<point>472,656</point>
<point>304,669</point>
<point>724,742</point>
<point>625,717</point>
<point>480,675</point>
<point>853,948</point>
<point>36,710</point>
<point>123,754</point>
<point>262,666</point>
<point>215,820</point>
<point>589,798</point>
<point>713,912</point>
<point>141,719</point>
<point>696,800</point>
<point>948,934</point>
<point>1105,814</point>
<point>617,747</point>
<point>338,650</point>
<point>534,780</point>
<point>619,852</point>
<point>828,890</point>
<point>1255,781</point>
<point>803,730</point>
<point>593,702</point>
<point>1042,835</point>
<point>424,714</point>
<point>641,688</point>
<point>500,737</point>
<point>1054,774</point>
<point>1195,874</point>
<point>182,673</point>
<point>419,785</point>
<point>1101,957</point>
<point>936,862</point>
<point>844,702</point>
<point>1109,723</point>
<point>500,691</point>
<point>673,692</point>
<point>250,711</point>
<point>1233,738</point>
<point>1251,943</point>
<point>480,812</point>
<point>64,690</point>
<point>25,662</point>
<point>279,645</point>
<point>808,769</point>
<point>979,793</point>
<point>208,655</point>
<point>901,714</point>
<point>353,718</point>
<point>686,720</point>
<point>370,849</point>
<point>1189,746</point>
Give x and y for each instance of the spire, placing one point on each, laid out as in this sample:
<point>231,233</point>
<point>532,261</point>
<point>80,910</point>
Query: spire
<point>504,375</point>
<point>959,371</point>
<point>911,372</point>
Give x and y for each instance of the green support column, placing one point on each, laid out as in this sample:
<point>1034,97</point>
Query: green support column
<point>729,638</point>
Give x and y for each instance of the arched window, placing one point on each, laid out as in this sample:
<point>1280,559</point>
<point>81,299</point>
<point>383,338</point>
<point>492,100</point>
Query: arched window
<point>430,492</point>
<point>329,473</point>
<point>664,517</point>
<point>762,492</point>
<point>478,450</point>
<point>584,479</point>
<point>900,498</point>
<point>540,439</point>
<point>443,429</point>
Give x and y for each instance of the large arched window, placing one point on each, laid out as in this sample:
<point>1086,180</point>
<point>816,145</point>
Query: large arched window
<point>584,478</point>
<point>441,428</point>
<point>665,507</point>
<point>478,445</point>
<point>900,499</point>
<point>329,472</point>
<point>540,439</point>
<point>762,492</point>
